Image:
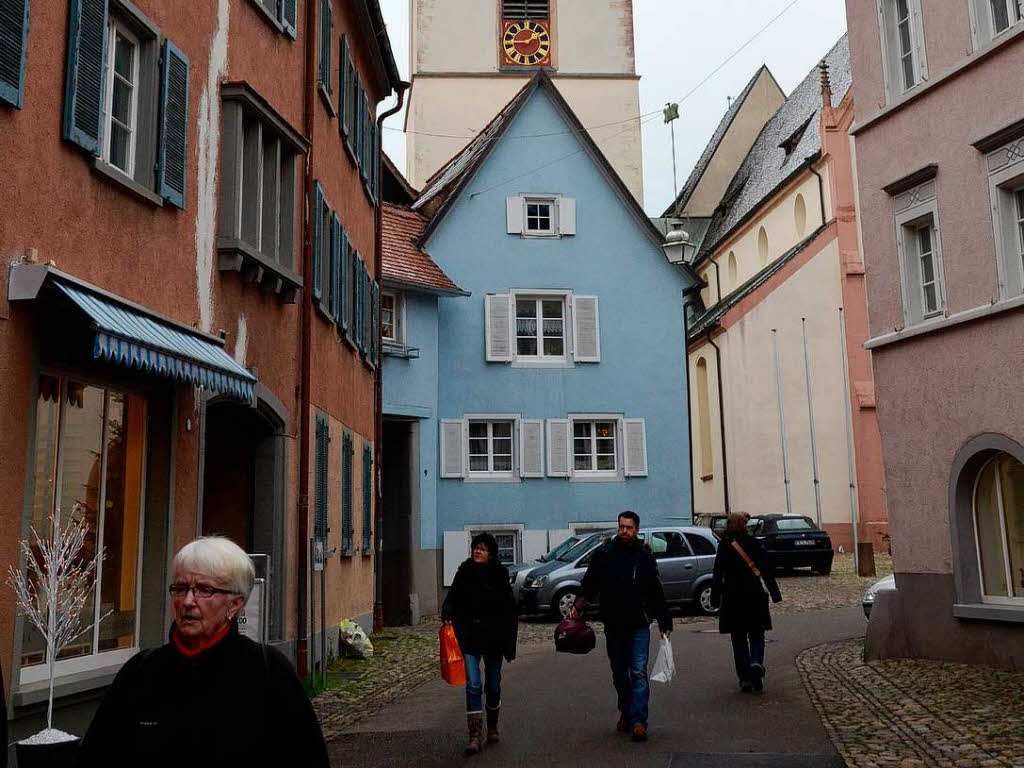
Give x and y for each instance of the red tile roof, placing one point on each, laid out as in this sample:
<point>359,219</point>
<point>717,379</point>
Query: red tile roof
<point>404,262</point>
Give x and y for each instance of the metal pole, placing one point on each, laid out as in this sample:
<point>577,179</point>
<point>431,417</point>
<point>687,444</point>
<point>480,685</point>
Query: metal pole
<point>810,420</point>
<point>675,184</point>
<point>782,421</point>
<point>323,625</point>
<point>854,514</point>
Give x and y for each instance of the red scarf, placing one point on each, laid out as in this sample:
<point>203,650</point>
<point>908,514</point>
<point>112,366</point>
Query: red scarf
<point>192,652</point>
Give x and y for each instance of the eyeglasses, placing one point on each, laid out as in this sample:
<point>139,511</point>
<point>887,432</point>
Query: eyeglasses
<point>201,591</point>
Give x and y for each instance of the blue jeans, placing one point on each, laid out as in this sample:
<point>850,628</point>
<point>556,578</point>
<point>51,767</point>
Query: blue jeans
<point>747,649</point>
<point>627,652</point>
<point>476,684</point>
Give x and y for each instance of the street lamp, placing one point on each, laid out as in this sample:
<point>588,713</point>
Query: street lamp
<point>678,248</point>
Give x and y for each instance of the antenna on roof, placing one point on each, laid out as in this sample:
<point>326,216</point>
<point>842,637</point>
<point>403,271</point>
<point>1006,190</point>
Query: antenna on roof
<point>671,115</point>
<point>728,102</point>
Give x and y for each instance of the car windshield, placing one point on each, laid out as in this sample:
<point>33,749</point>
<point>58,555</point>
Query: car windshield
<point>785,524</point>
<point>560,550</point>
<point>581,548</point>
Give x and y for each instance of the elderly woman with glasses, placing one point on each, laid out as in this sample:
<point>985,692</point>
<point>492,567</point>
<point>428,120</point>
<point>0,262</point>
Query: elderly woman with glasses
<point>209,696</point>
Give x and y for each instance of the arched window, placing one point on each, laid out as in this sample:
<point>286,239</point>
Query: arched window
<point>704,420</point>
<point>762,246</point>
<point>998,509</point>
<point>800,215</point>
<point>732,270</point>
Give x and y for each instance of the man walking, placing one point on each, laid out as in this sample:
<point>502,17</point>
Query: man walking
<point>624,575</point>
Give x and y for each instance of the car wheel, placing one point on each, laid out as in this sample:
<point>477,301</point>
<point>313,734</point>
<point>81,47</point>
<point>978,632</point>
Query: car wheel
<point>563,603</point>
<point>704,601</point>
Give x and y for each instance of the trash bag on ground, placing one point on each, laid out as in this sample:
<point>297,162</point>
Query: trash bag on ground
<point>664,665</point>
<point>352,640</point>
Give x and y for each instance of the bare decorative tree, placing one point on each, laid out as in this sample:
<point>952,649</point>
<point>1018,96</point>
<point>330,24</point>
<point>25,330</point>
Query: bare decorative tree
<point>55,586</point>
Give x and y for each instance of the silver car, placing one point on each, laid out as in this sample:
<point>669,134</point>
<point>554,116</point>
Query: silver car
<point>517,572</point>
<point>685,556</point>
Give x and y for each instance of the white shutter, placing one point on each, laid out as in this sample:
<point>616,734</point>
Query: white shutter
<point>558,447</point>
<point>531,448</point>
<point>498,327</point>
<point>456,549</point>
<point>567,215</point>
<point>453,463</point>
<point>514,215</point>
<point>586,330</point>
<point>535,544</point>
<point>922,63</point>
<point>634,443</point>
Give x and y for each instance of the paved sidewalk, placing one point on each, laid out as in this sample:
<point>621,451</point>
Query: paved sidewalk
<point>911,712</point>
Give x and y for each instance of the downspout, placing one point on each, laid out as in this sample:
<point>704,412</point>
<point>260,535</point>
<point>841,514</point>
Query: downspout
<point>821,192</point>
<point>378,390</point>
<point>687,297</point>
<point>718,279</point>
<point>721,418</point>
<point>305,403</point>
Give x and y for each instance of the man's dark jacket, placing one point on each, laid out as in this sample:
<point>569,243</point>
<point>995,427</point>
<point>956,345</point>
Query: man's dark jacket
<point>624,577</point>
<point>236,703</point>
<point>482,610</point>
<point>738,591</point>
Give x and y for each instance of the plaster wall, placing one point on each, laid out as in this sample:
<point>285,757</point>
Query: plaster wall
<point>594,37</point>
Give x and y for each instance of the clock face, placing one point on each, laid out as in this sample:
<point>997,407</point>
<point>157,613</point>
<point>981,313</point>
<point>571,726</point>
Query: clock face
<point>526,43</point>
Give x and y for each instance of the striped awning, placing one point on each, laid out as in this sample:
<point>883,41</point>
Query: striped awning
<point>130,337</point>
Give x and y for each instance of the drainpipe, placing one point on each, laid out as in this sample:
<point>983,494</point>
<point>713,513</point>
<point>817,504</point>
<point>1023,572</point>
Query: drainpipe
<point>687,298</point>
<point>821,192</point>
<point>378,391</point>
<point>721,416</point>
<point>718,280</point>
<point>306,355</point>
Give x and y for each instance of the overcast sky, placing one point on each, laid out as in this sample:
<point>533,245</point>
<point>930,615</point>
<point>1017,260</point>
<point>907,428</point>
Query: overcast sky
<point>678,44</point>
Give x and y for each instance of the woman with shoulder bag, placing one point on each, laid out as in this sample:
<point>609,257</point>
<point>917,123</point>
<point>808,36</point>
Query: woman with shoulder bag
<point>742,584</point>
<point>482,609</point>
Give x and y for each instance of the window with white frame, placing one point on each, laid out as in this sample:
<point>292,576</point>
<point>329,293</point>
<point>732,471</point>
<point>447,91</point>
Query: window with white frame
<point>391,330</point>
<point>490,447</point>
<point>999,529</point>
<point>1005,13</point>
<point>121,97</point>
<point>540,216</point>
<point>919,244</point>
<point>1006,188</point>
<point>540,327</point>
<point>904,62</point>
<point>924,237</point>
<point>593,446</point>
<point>509,544</point>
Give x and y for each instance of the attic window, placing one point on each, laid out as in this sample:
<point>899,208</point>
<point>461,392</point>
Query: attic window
<point>524,9</point>
<point>794,138</point>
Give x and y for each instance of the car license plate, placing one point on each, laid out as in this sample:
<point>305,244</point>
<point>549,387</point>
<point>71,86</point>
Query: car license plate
<point>805,543</point>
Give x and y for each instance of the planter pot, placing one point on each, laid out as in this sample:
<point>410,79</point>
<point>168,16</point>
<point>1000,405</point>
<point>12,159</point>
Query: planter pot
<point>58,755</point>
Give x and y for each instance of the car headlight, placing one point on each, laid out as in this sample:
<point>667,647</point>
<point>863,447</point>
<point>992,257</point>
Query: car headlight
<point>535,581</point>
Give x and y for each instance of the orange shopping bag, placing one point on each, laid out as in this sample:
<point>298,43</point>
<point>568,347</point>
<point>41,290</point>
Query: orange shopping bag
<point>453,669</point>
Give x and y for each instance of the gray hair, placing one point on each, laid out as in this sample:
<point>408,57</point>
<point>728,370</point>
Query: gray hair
<point>219,557</point>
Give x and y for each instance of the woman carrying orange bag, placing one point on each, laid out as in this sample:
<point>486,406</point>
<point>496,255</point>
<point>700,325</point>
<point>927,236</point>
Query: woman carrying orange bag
<point>481,610</point>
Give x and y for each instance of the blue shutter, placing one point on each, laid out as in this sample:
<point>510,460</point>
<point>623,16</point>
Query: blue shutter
<point>318,205</point>
<point>320,472</point>
<point>367,498</point>
<point>357,119</point>
<point>13,50</point>
<point>349,95</point>
<point>361,307</point>
<point>342,84</point>
<point>173,157</point>
<point>336,281</point>
<point>325,45</point>
<point>286,15</point>
<point>364,154</point>
<point>343,298</point>
<point>346,493</point>
<point>83,86</point>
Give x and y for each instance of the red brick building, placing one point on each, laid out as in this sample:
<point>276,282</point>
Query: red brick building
<point>188,302</point>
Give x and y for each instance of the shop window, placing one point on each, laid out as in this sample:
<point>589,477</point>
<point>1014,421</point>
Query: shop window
<point>999,529</point>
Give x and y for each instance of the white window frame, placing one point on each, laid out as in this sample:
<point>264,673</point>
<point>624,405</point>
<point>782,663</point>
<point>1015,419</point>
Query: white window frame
<point>597,475</point>
<point>892,52</point>
<point>932,255</point>
<point>490,476</point>
<point>398,321</point>
<point>1014,15</point>
<point>540,360</point>
<point>516,530</point>
<point>114,28</point>
<point>549,200</point>
<point>993,599</point>
<point>1006,179</point>
<point>914,208</point>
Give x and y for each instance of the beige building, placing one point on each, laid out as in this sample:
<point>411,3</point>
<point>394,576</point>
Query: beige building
<point>470,57</point>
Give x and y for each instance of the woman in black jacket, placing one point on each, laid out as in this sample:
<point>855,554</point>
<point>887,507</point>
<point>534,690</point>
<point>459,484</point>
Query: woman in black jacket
<point>481,607</point>
<point>742,584</point>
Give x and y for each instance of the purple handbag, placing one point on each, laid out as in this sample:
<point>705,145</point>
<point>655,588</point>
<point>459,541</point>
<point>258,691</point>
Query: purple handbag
<point>574,636</point>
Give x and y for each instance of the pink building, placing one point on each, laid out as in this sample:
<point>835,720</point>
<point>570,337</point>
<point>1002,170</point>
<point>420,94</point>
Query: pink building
<point>939,145</point>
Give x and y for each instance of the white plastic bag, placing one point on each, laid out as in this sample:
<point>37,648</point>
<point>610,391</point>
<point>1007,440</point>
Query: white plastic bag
<point>664,665</point>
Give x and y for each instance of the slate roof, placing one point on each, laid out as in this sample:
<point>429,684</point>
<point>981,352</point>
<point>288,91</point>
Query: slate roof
<point>766,167</point>
<point>403,261</point>
<point>709,151</point>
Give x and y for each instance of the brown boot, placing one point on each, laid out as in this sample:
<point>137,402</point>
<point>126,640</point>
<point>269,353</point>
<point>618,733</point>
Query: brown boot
<point>493,737</point>
<point>475,722</point>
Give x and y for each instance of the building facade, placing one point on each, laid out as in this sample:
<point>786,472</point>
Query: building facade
<point>782,399</point>
<point>468,58</point>
<point>553,396</point>
<point>939,180</point>
<point>188,241</point>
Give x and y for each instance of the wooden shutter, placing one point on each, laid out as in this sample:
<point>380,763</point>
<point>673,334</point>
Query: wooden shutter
<point>361,307</point>
<point>13,50</point>
<point>346,493</point>
<point>453,463</point>
<point>586,330</point>
<point>364,154</point>
<point>320,478</point>
<point>343,69</point>
<point>367,498</point>
<point>349,96</point>
<point>325,45</point>
<point>558,447</point>
<point>498,327</point>
<point>343,265</point>
<point>83,87</point>
<point>514,215</point>
<point>318,255</point>
<point>567,215</point>
<point>334,284</point>
<point>353,293</point>
<point>634,447</point>
<point>286,14</point>
<point>531,448</point>
<point>173,153</point>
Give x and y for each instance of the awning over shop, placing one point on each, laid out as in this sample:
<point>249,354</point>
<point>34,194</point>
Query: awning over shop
<point>131,336</point>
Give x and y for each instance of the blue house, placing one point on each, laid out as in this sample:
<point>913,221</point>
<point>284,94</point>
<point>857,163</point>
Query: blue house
<point>546,391</point>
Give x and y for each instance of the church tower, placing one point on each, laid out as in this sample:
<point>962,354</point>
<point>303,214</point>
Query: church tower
<point>470,57</point>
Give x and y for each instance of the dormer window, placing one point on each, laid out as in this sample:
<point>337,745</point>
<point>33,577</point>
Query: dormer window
<point>793,140</point>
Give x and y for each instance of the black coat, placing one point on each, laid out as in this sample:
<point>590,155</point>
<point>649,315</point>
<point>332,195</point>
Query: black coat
<point>624,577</point>
<point>482,609</point>
<point>744,604</point>
<point>237,703</point>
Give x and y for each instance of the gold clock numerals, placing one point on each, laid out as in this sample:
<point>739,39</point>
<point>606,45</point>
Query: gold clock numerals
<point>526,43</point>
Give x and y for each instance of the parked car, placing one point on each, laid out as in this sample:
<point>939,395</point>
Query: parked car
<point>715,521</point>
<point>793,541</point>
<point>686,561</point>
<point>517,572</point>
<point>885,584</point>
